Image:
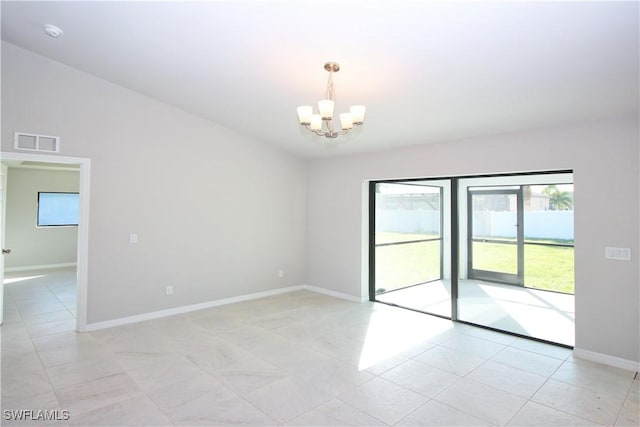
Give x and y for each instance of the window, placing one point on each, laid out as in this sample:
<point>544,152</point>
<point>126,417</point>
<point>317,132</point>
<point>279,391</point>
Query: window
<point>58,209</point>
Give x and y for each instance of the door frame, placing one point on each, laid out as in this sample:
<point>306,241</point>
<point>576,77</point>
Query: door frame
<point>516,279</point>
<point>441,239</point>
<point>447,240</point>
<point>3,201</point>
<point>83,223</point>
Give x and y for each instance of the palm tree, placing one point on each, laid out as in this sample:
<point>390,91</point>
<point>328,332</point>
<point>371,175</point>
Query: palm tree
<point>558,200</point>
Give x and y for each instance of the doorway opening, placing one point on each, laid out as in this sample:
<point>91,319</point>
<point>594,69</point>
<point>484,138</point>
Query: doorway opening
<point>66,284</point>
<point>494,251</point>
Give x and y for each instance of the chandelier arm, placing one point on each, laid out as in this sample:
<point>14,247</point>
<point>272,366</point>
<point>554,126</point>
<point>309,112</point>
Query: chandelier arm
<point>335,134</point>
<point>317,132</point>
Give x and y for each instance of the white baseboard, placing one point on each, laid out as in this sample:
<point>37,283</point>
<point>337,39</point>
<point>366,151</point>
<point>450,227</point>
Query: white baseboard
<point>194,307</point>
<point>41,267</point>
<point>606,359</point>
<point>186,309</point>
<point>333,293</point>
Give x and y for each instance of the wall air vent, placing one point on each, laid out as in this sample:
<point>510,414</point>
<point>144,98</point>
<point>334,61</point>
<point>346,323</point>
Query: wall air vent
<point>33,142</point>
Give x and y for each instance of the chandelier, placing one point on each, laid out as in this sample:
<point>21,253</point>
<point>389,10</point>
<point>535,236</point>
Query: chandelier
<point>322,124</point>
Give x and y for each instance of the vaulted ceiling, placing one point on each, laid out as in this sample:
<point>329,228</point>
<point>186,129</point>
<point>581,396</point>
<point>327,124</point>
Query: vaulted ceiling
<point>427,71</point>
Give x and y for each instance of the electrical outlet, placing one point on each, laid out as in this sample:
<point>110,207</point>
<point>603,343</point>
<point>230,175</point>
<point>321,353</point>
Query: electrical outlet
<point>280,273</point>
<point>168,290</point>
<point>133,238</point>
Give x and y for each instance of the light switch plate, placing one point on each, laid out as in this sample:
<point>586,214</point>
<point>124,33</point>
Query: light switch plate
<point>622,254</point>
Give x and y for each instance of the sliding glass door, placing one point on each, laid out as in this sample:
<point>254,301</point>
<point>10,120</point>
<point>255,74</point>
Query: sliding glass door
<point>494,251</point>
<point>519,257</point>
<point>408,246</point>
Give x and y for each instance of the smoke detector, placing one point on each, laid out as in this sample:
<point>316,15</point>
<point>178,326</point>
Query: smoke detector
<point>53,31</point>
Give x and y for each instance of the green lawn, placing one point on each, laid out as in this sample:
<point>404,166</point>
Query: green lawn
<point>545,267</point>
<point>549,267</point>
<point>397,266</point>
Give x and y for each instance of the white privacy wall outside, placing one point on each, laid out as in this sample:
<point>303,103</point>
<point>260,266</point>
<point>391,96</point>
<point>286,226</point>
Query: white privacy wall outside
<point>538,225</point>
<point>606,213</point>
<point>408,221</point>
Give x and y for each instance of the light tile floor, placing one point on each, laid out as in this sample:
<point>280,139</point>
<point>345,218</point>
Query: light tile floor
<point>525,311</point>
<point>299,358</point>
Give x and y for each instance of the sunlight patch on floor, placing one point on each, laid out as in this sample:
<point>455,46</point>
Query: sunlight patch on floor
<point>390,336</point>
<point>7,281</point>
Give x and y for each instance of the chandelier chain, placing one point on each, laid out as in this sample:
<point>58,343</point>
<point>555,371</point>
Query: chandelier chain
<point>330,92</point>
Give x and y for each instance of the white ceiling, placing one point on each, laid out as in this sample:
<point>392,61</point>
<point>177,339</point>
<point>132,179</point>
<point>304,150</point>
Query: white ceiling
<point>427,71</point>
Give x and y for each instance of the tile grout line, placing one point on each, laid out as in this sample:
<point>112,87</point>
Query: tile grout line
<point>626,397</point>
<point>562,409</point>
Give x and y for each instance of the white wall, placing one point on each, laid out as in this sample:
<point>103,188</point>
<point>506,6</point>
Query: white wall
<point>605,159</point>
<point>30,245</point>
<point>217,214</point>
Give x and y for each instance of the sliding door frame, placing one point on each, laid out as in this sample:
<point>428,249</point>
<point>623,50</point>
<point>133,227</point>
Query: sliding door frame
<point>372,242</point>
<point>455,239</point>
<point>516,279</point>
<point>372,239</point>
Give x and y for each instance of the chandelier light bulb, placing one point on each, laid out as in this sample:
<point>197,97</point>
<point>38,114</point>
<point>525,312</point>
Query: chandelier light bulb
<point>316,122</point>
<point>346,121</point>
<point>304,114</point>
<point>357,111</point>
<point>326,109</point>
